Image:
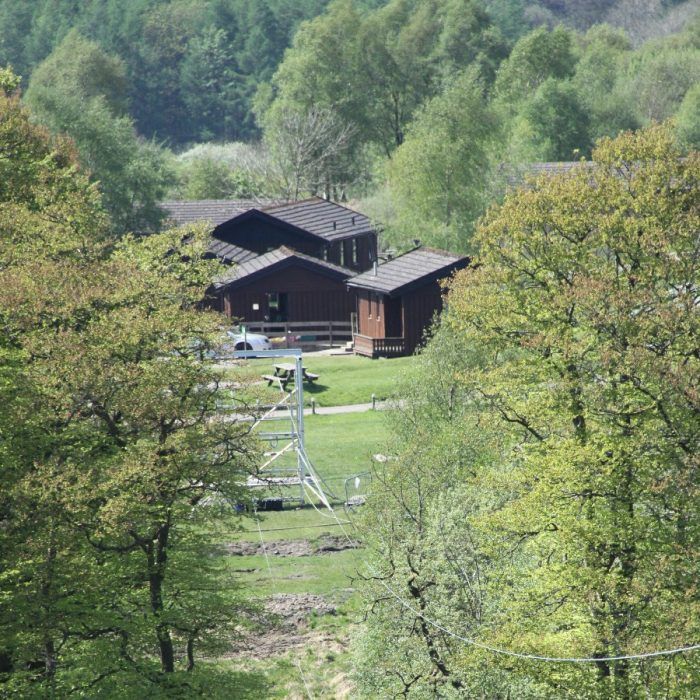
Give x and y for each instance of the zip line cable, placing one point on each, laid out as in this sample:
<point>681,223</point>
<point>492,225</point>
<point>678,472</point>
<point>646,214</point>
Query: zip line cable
<point>507,652</point>
<point>306,687</point>
<point>274,586</point>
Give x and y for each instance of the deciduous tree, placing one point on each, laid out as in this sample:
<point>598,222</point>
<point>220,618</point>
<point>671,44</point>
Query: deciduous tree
<point>574,485</point>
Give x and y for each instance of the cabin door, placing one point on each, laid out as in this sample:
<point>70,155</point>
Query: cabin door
<point>277,305</point>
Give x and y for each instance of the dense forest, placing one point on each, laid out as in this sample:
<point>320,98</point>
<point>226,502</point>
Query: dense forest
<point>410,107</point>
<point>531,526</point>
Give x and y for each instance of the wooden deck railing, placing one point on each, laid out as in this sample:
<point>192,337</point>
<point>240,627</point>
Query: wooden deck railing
<point>304,334</point>
<point>378,347</point>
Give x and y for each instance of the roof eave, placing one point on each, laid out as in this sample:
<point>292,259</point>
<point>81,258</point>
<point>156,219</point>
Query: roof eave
<point>268,218</point>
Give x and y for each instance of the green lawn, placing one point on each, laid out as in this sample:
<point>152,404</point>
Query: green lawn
<point>343,379</point>
<point>339,446</point>
<point>343,444</point>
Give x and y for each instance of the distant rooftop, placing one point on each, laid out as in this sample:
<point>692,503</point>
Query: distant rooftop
<point>317,216</point>
<point>214,211</point>
<point>516,175</point>
<point>409,270</point>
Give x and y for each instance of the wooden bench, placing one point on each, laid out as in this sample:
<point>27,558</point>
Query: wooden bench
<point>280,381</point>
<point>286,372</point>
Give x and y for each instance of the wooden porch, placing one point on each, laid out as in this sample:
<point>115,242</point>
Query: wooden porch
<point>378,347</point>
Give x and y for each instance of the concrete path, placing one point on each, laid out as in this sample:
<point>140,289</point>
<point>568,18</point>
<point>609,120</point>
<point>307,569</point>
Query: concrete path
<point>352,408</point>
<point>282,413</point>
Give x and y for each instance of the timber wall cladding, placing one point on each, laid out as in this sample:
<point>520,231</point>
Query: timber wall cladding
<point>419,307</point>
<point>310,297</point>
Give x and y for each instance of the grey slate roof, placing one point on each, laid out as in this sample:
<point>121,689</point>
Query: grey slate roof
<point>262,263</point>
<point>321,217</point>
<point>215,211</point>
<point>409,270</point>
<point>230,253</point>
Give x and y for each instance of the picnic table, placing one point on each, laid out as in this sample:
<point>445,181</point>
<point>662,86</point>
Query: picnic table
<point>284,373</point>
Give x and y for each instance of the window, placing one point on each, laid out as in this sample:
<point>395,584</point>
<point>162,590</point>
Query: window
<point>369,305</point>
<point>354,252</point>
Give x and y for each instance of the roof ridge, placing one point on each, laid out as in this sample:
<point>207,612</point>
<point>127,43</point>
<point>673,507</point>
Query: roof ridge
<point>437,251</point>
<point>292,201</point>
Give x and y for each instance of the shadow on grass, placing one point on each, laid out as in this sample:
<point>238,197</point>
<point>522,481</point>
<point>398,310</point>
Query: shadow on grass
<point>315,388</point>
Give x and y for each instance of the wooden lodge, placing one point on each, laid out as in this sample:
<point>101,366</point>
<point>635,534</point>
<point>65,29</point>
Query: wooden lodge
<point>286,263</point>
<point>284,286</point>
<point>397,300</point>
<point>312,263</point>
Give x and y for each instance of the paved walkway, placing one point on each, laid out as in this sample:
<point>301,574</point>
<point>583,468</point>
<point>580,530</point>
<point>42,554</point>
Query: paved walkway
<point>282,413</point>
<point>352,408</point>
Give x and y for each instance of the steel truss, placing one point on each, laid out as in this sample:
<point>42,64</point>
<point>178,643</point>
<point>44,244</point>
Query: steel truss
<point>287,412</point>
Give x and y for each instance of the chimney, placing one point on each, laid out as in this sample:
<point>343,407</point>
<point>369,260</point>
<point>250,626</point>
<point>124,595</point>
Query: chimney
<point>334,225</point>
<point>374,268</point>
<point>353,220</point>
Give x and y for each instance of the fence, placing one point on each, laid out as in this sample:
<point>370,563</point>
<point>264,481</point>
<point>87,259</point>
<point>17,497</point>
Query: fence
<point>379,347</point>
<point>303,334</point>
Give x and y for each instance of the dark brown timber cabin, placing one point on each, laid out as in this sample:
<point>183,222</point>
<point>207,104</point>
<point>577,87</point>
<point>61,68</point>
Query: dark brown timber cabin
<point>289,261</point>
<point>285,285</point>
<point>397,300</point>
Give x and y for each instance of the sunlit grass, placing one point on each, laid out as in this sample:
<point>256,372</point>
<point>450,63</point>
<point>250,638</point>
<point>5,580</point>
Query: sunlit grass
<point>343,380</point>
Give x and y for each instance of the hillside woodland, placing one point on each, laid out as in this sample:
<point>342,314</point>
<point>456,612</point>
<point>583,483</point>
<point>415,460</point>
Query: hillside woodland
<point>409,108</point>
<point>531,530</point>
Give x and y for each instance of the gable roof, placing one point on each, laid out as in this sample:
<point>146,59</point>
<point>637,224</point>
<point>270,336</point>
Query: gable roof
<point>319,217</point>
<point>275,260</point>
<point>215,211</point>
<point>409,271</point>
<point>316,217</point>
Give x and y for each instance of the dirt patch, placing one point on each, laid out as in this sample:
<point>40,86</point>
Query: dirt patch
<point>289,548</point>
<point>285,626</point>
<point>296,608</point>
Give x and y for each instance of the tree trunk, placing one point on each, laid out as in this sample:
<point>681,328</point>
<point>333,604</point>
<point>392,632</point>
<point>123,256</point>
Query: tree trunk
<point>157,559</point>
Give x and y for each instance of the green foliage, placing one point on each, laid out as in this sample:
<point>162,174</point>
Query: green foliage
<point>193,67</point>
<point>597,81</point>
<point>212,87</point>
<point>543,496</point>
<point>205,178</point>
<point>439,176</point>
<point>227,170</point>
<point>539,55</point>
<point>688,119</point>
<point>107,441</point>
<point>9,81</point>
<point>79,91</point>
<point>374,69</point>
<point>180,55</point>
<point>658,77</point>
<point>559,125</point>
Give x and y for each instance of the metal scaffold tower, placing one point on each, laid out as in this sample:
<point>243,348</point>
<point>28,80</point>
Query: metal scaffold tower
<point>282,427</point>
